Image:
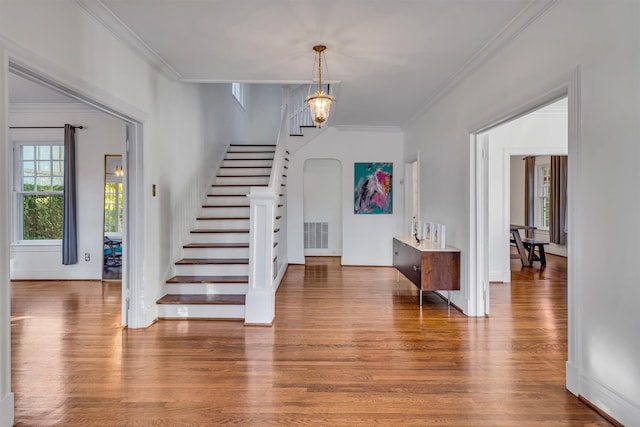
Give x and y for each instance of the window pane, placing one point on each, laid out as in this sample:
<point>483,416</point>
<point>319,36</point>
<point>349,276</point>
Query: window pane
<point>28,152</point>
<point>44,184</point>
<point>57,168</point>
<point>58,184</point>
<point>42,217</point>
<point>44,152</point>
<point>28,184</point>
<point>28,169</point>
<point>44,168</point>
<point>57,152</point>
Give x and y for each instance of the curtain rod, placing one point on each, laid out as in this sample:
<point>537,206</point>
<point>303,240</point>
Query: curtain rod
<point>43,127</point>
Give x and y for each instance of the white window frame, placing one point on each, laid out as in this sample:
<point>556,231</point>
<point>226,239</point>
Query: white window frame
<point>239,92</point>
<point>19,138</point>
<point>541,164</point>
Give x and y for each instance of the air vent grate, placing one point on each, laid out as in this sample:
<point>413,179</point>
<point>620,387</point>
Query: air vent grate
<point>316,235</point>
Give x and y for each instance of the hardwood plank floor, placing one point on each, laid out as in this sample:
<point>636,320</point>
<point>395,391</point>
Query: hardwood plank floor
<point>349,346</point>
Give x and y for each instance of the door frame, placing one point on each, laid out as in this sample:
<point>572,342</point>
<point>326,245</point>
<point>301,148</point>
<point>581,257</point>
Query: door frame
<point>569,87</point>
<point>29,66</point>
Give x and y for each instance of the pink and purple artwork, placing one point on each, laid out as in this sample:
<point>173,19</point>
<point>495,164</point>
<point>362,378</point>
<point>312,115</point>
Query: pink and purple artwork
<point>373,188</point>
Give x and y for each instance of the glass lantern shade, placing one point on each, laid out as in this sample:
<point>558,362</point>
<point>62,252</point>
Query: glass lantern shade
<point>320,104</point>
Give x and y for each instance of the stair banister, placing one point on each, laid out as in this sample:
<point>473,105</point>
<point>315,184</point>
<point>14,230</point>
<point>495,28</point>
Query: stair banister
<point>260,298</point>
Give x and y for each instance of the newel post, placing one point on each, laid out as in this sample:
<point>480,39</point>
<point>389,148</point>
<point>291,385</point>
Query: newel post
<point>260,304</point>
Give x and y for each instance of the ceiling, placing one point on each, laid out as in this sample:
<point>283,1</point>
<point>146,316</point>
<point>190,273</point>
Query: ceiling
<point>391,58</point>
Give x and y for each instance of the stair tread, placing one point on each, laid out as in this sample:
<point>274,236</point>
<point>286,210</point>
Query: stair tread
<point>243,176</point>
<point>218,230</point>
<point>240,185</point>
<point>202,299</point>
<point>215,245</point>
<point>245,167</point>
<point>209,279</point>
<point>252,145</point>
<point>221,218</point>
<point>212,261</point>
<point>245,159</point>
<point>226,206</point>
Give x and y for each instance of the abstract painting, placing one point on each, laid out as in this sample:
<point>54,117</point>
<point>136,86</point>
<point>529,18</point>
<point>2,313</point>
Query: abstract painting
<point>373,188</point>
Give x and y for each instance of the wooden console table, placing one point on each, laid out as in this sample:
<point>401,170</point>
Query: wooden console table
<point>427,265</point>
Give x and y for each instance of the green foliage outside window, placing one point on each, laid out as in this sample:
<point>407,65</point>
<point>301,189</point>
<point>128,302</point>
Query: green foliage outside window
<point>42,216</point>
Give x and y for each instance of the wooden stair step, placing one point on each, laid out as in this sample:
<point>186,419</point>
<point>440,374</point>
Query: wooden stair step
<point>225,206</point>
<point>245,167</point>
<point>240,185</point>
<point>212,261</point>
<point>252,145</point>
<point>245,159</point>
<point>202,230</point>
<point>243,176</point>
<point>222,218</point>
<point>215,245</point>
<point>241,280</point>
<point>202,299</point>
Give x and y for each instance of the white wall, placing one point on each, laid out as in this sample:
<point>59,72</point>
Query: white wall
<point>266,100</point>
<point>322,201</point>
<point>516,208</point>
<point>103,134</point>
<point>602,39</point>
<point>537,133</point>
<point>366,239</point>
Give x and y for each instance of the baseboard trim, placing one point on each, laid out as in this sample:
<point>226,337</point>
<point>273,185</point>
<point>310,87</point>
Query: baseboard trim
<point>600,411</point>
<point>6,411</point>
<point>607,402</point>
<point>500,276</point>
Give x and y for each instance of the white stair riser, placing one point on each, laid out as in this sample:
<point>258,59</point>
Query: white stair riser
<point>222,224</point>
<point>247,147</point>
<point>207,288</point>
<point>212,270</point>
<point>229,190</point>
<point>239,162</point>
<point>219,237</point>
<point>215,253</point>
<point>227,200</point>
<point>244,171</point>
<point>244,180</point>
<point>249,155</point>
<point>200,311</point>
<point>224,212</point>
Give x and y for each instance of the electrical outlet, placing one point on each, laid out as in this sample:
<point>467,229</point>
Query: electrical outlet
<point>87,256</point>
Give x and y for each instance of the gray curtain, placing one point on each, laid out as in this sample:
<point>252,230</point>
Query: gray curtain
<point>558,202</point>
<point>69,224</point>
<point>529,192</point>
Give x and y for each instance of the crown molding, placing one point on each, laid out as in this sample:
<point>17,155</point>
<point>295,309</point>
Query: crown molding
<point>356,128</point>
<point>62,107</point>
<point>527,16</point>
<point>103,15</point>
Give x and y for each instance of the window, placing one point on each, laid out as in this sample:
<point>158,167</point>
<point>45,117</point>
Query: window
<point>38,189</point>
<point>543,192</point>
<point>238,92</point>
<point>113,208</point>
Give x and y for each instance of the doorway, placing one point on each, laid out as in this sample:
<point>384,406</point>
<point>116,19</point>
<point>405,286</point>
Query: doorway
<point>128,135</point>
<point>113,218</point>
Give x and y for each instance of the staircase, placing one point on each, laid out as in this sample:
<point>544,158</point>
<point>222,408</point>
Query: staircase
<point>211,279</point>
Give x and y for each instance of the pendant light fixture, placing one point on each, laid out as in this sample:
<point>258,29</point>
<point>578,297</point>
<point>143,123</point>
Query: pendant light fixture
<point>319,100</point>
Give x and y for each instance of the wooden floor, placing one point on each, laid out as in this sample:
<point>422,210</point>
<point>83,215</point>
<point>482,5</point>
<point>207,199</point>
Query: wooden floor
<point>350,346</point>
